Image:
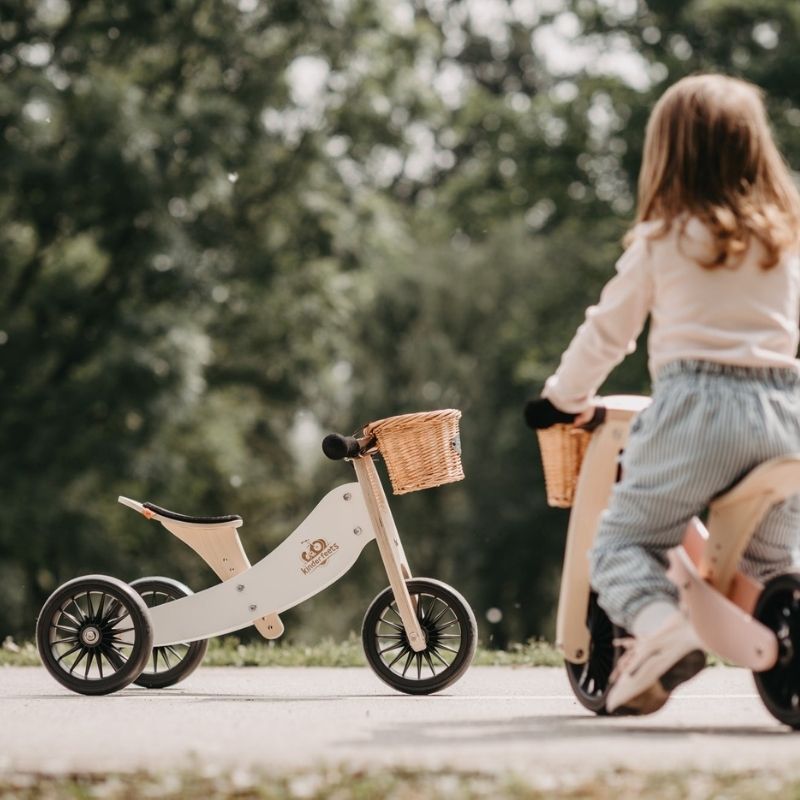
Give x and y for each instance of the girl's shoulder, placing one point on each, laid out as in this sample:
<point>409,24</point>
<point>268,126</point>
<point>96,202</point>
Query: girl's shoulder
<point>687,238</point>
<point>648,229</point>
<point>686,233</point>
<point>686,227</point>
<point>639,241</point>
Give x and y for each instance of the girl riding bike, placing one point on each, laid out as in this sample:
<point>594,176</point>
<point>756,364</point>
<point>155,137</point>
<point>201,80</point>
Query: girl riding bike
<point>713,261</point>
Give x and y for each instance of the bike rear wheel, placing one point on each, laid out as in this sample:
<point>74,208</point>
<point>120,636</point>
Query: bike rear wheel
<point>778,608</point>
<point>172,663</point>
<point>94,635</point>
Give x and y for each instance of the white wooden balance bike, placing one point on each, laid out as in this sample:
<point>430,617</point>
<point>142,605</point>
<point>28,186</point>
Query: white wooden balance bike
<point>745,622</point>
<point>97,634</point>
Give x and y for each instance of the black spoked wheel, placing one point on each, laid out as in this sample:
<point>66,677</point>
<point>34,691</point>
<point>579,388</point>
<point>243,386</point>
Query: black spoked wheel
<point>778,608</point>
<point>450,630</point>
<point>94,635</point>
<point>170,663</point>
<point>590,680</point>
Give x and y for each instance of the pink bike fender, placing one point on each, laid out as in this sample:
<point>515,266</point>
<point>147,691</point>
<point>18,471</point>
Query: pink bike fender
<point>722,626</point>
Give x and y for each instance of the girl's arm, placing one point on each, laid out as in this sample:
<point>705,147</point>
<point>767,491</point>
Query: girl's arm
<point>607,335</point>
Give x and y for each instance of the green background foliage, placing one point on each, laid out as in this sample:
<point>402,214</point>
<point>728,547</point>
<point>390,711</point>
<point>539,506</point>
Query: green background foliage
<point>227,228</point>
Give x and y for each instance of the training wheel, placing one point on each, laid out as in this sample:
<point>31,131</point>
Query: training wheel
<point>451,635</point>
<point>94,634</point>
<point>778,608</point>
<point>590,680</point>
<point>170,663</point>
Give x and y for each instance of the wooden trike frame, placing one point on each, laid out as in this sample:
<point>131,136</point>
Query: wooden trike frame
<point>96,634</point>
<point>315,555</point>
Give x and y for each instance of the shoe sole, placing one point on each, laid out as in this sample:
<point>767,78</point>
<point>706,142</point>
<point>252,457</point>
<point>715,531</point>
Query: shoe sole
<point>654,697</point>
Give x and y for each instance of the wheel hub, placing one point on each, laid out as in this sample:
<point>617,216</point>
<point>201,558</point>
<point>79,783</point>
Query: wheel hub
<point>428,634</point>
<point>90,636</point>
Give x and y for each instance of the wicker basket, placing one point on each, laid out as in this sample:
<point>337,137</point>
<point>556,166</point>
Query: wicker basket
<point>420,450</point>
<point>562,449</point>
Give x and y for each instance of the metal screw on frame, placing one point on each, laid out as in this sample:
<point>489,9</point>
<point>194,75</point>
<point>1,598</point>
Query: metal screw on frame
<point>240,587</point>
<point>347,495</point>
<point>253,607</point>
<point>357,531</point>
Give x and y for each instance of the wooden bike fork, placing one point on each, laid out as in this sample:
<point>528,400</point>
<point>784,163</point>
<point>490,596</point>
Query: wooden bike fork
<point>391,550</point>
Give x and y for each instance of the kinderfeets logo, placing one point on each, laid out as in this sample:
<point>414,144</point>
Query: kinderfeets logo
<point>316,554</point>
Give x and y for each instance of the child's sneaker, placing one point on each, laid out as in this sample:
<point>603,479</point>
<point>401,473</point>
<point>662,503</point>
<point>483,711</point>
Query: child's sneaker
<point>652,666</point>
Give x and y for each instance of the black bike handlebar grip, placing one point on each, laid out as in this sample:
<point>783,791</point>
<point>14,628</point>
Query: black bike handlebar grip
<point>598,418</point>
<point>541,413</point>
<point>337,447</point>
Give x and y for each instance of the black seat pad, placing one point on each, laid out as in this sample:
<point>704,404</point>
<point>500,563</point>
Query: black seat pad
<point>185,518</point>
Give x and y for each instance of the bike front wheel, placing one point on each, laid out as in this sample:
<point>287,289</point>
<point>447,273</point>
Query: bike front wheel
<point>590,681</point>
<point>450,630</point>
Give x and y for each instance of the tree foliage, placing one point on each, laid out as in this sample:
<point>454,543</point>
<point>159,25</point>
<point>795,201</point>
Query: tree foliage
<point>226,227</point>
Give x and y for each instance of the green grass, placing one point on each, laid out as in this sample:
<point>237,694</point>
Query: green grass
<point>400,784</point>
<point>230,652</point>
<point>18,655</point>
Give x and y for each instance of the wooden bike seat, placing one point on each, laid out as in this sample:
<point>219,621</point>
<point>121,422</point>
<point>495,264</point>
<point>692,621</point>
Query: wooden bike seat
<point>216,541</point>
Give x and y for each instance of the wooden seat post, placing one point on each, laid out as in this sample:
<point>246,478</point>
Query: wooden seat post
<point>734,516</point>
<point>220,547</point>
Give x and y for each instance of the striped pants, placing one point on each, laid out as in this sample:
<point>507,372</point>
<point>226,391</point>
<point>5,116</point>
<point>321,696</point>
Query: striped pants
<point>708,426</point>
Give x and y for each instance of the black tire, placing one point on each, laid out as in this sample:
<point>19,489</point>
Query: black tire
<point>168,664</point>
<point>778,608</point>
<point>590,680</point>
<point>451,631</point>
<point>94,635</point>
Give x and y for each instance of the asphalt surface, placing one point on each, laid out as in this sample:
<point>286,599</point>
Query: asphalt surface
<point>496,718</point>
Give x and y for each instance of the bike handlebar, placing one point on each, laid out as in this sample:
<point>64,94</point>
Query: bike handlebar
<point>336,447</point>
<point>541,413</point>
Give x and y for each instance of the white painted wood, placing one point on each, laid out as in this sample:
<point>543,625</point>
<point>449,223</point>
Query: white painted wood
<point>625,406</point>
<point>218,544</point>
<point>294,571</point>
<point>221,548</point>
<point>392,555</point>
<point>134,504</point>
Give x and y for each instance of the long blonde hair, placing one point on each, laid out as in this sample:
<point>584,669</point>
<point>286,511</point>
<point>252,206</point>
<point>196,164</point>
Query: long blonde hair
<point>709,153</point>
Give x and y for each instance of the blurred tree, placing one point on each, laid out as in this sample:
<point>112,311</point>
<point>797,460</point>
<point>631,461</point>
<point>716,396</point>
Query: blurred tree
<point>513,229</point>
<point>227,226</point>
<point>170,267</point>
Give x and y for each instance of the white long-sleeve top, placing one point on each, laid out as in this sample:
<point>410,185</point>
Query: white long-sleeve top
<point>743,315</point>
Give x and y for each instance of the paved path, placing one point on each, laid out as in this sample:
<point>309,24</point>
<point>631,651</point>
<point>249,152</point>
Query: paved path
<point>522,719</point>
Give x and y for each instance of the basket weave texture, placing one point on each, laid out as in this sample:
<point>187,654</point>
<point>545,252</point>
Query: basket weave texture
<point>420,450</point>
<point>562,447</point>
